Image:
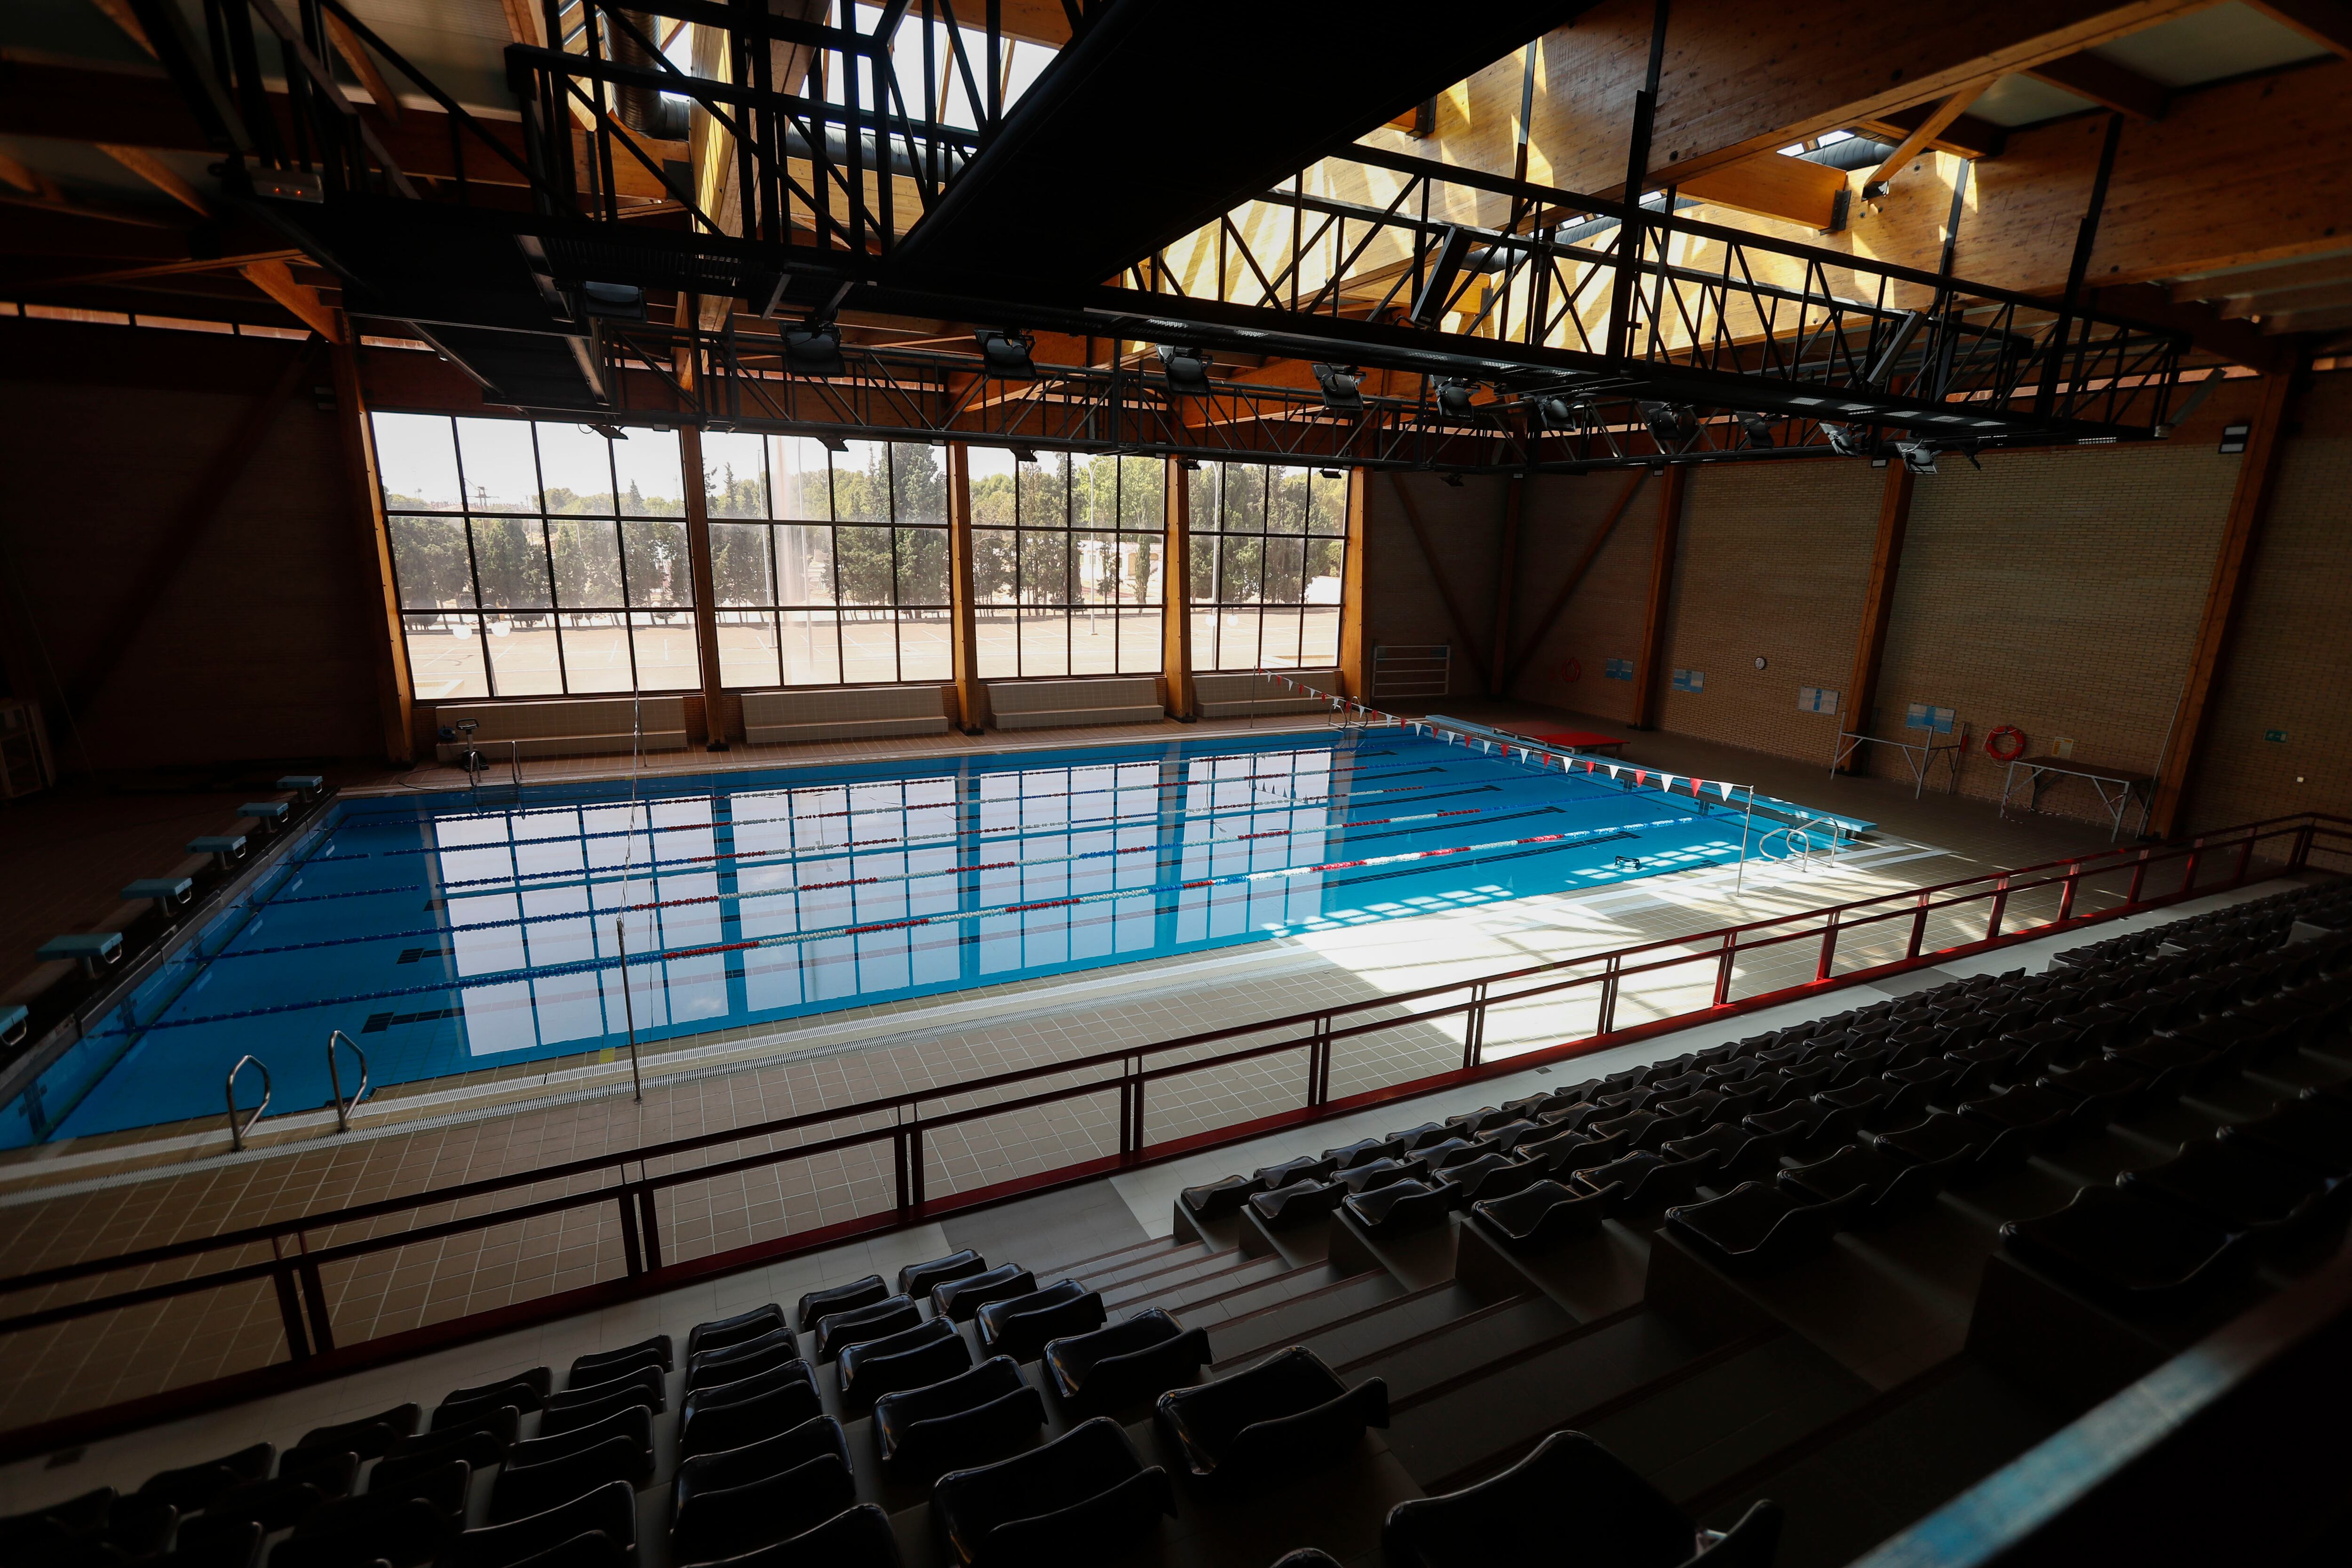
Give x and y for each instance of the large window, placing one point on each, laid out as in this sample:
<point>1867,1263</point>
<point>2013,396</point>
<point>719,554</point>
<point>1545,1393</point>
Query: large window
<point>830,568</point>
<point>537,559</point>
<point>1268,552</point>
<point>1066,564</point>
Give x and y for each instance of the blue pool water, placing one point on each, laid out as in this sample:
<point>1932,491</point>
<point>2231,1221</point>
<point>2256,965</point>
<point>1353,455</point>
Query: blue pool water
<point>447,935</point>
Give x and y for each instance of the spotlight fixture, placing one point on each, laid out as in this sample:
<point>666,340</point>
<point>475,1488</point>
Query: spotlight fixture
<point>1024,454</point>
<point>1669,422</point>
<point>1331,473</point>
<point>1919,457</point>
<point>1758,428</point>
<point>815,350</point>
<point>1342,388</point>
<point>1454,398</point>
<point>1454,481</point>
<point>610,432</point>
<point>1190,465</point>
<point>613,301</point>
<point>1005,354</point>
<point>1846,440</point>
<point>832,443</point>
<point>1187,370</point>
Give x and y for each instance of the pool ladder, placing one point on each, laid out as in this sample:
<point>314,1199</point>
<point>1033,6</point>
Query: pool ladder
<point>241,1122</point>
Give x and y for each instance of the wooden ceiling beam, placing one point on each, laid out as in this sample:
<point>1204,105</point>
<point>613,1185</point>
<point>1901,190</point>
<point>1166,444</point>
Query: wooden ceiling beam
<point>160,175</point>
<point>2266,280</point>
<point>299,300</point>
<point>347,44</point>
<point>2150,305</point>
<point>2327,22</point>
<point>2104,83</point>
<point>2321,297</point>
<point>1775,185</point>
<point>1914,144</point>
<point>2299,321</point>
<point>1965,137</point>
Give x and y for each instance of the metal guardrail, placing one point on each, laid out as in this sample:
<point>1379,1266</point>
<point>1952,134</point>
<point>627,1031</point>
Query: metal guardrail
<point>909,1120</point>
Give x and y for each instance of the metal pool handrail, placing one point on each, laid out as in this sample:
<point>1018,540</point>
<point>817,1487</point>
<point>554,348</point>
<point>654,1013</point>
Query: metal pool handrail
<point>236,1132</point>
<point>904,1121</point>
<point>343,1108</point>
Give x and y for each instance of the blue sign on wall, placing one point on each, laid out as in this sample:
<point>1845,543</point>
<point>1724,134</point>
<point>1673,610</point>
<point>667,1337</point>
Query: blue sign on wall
<point>1927,716</point>
<point>1618,669</point>
<point>1690,680</point>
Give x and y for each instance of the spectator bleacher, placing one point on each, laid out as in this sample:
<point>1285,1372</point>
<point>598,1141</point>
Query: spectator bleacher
<point>1642,1308</point>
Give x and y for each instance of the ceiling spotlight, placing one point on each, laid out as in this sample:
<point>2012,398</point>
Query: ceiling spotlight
<point>1758,429</point>
<point>1342,388</point>
<point>832,443</point>
<point>1190,465</point>
<point>1331,473</point>
<point>1454,481</point>
<point>1187,371</point>
<point>1024,454</point>
<point>1005,354</point>
<point>1669,422</point>
<point>613,301</point>
<point>1846,440</point>
<point>1454,398</point>
<point>815,350</point>
<point>1918,456</point>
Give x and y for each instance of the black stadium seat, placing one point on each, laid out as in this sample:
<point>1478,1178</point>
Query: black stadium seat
<point>2238,1185</point>
<point>887,1316</point>
<point>2130,1252</point>
<point>720,1332</point>
<point>1021,1327</point>
<point>1297,1204</point>
<point>716,1428</point>
<point>635,1423</point>
<point>849,1298</point>
<point>611,1510</point>
<point>401,1531</point>
<point>911,1358</point>
<point>1215,1200</point>
<point>813,1438</point>
<point>1380,1173</point>
<point>217,1543</point>
<point>958,1300</point>
<point>191,1487</point>
<point>480,1446</point>
<point>728,1522</point>
<point>916,1280</point>
<point>744,1358</point>
<point>1269,1421</point>
<point>1126,1363</point>
<point>970,1419</point>
<point>521,1491</point>
<point>1874,1189</point>
<point>1401,1206</point>
<point>369,1436</point>
<point>1492,1176</point>
<point>605,1364</point>
<point>1756,1226</point>
<point>632,1393</point>
<point>857,1537</point>
<point>525,1391</point>
<point>1570,1489</point>
<point>647,1377</point>
<point>1084,1497</point>
<point>1544,1214</point>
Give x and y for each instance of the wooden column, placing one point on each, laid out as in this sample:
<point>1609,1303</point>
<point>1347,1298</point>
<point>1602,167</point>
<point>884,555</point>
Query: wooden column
<point>395,694</point>
<point>1506,580</point>
<point>1878,604</point>
<point>2249,506</point>
<point>1176,592</point>
<point>1646,693</point>
<point>962,615</point>
<point>706,596</point>
<point>1355,673</point>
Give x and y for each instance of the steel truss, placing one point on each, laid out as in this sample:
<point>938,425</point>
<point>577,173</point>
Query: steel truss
<point>1575,331</point>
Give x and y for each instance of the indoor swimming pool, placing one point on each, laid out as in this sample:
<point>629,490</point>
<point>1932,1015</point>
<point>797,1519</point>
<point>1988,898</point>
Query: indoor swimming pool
<point>448,934</point>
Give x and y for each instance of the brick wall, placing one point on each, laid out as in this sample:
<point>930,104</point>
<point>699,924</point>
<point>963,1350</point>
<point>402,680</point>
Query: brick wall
<point>258,647</point>
<point>1403,602</point>
<point>2289,667</point>
<point>1603,619</point>
<point>2058,592</point>
<point>1802,534</point>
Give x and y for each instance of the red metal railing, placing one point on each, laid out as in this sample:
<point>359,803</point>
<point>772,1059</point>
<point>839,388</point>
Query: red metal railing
<point>292,1269</point>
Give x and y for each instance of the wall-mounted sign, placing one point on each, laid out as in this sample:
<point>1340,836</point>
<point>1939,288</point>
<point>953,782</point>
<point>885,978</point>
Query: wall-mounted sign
<point>1618,669</point>
<point>2279,735</point>
<point>2233,437</point>
<point>1690,680</point>
<point>1927,716</point>
<point>1816,699</point>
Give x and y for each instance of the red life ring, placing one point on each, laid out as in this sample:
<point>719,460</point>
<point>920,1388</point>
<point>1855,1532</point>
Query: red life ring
<point>2015,742</point>
<point>1573,670</point>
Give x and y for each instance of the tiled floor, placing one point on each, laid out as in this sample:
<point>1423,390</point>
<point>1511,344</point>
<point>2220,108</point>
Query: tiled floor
<point>1052,1228</point>
<point>70,1201</point>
